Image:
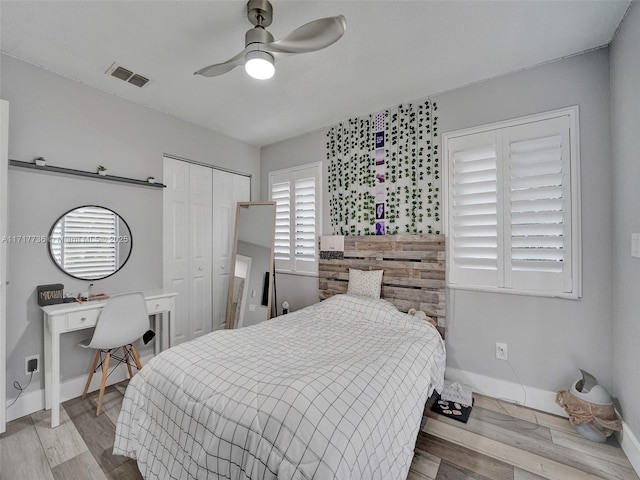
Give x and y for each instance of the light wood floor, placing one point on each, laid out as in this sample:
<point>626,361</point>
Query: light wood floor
<point>491,446</point>
<point>502,441</point>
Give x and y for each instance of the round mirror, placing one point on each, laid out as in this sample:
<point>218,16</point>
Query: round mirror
<point>90,242</point>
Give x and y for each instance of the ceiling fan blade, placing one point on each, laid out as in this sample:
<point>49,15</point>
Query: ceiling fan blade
<point>310,37</point>
<point>224,67</point>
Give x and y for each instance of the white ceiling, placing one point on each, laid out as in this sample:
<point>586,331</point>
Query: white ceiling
<point>393,51</point>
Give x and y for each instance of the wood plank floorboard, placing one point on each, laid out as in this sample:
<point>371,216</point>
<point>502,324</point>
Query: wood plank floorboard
<point>520,426</point>
<point>448,471</point>
<point>111,403</point>
<point>127,471</point>
<point>413,475</point>
<point>425,463</point>
<point>21,453</point>
<point>62,443</point>
<point>605,451</point>
<point>528,414</point>
<point>81,467</point>
<point>501,441</point>
<point>465,458</point>
<point>98,432</point>
<point>519,474</point>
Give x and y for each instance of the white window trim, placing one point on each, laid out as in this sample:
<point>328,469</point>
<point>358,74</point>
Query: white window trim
<point>319,202</point>
<point>576,237</point>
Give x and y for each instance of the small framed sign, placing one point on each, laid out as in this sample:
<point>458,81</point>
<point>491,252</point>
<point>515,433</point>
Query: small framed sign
<point>50,294</point>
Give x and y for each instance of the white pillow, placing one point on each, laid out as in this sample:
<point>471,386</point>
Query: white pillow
<point>365,283</point>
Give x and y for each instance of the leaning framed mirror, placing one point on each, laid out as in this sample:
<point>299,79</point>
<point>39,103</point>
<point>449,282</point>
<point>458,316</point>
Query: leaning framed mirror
<point>251,273</point>
<point>90,242</point>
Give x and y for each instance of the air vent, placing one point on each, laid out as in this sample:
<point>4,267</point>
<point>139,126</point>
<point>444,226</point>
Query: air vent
<point>138,80</point>
<point>127,75</point>
<point>122,73</point>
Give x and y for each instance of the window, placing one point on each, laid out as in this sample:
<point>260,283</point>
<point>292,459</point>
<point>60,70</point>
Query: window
<point>512,208</point>
<point>296,192</point>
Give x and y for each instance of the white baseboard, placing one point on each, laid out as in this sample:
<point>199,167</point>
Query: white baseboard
<point>631,446</point>
<point>33,401</point>
<point>536,398</point>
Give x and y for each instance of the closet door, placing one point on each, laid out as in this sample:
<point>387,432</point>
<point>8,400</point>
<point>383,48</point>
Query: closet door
<point>228,190</point>
<point>187,243</point>
<point>175,207</point>
<point>4,139</point>
<point>200,227</point>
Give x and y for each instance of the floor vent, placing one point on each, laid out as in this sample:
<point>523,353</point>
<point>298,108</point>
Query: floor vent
<point>127,75</point>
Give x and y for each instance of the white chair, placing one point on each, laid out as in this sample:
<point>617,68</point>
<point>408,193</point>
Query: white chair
<point>123,320</point>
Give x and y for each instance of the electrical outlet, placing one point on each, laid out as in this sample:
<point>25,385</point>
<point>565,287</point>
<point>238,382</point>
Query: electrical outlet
<point>501,351</point>
<point>32,364</point>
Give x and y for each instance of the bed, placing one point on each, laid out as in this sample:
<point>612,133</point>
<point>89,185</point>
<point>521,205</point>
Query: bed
<point>333,391</point>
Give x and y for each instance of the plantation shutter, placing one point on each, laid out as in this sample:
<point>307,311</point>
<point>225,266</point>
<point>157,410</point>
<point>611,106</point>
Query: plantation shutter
<point>87,248</point>
<point>281,194</point>
<point>539,188</point>
<point>512,206</point>
<point>297,195</point>
<point>474,212</point>
<point>305,222</point>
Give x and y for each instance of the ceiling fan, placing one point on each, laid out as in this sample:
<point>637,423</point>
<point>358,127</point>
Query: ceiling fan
<point>261,51</point>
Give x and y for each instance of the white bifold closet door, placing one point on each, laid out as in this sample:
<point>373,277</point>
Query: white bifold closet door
<point>187,206</point>
<point>199,207</point>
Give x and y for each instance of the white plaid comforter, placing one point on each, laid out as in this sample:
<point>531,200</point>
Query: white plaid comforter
<point>333,391</point>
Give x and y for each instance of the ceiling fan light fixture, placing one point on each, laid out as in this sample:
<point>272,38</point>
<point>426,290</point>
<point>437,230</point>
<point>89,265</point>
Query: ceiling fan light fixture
<point>259,65</point>
<point>260,49</point>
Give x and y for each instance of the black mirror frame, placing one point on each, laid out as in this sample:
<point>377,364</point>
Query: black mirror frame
<point>88,279</point>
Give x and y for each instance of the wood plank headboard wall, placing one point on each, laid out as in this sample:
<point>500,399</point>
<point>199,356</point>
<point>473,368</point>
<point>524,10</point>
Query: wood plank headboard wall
<point>414,270</point>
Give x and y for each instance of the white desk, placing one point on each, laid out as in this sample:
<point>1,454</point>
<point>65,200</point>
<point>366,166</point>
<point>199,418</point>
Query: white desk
<point>69,317</point>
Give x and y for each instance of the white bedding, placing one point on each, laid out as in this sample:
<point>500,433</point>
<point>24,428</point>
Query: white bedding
<point>333,391</point>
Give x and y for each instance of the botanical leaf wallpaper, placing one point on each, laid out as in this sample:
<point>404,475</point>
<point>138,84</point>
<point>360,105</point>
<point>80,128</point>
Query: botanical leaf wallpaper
<point>412,177</point>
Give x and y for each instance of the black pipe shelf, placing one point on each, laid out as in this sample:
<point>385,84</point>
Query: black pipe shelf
<point>82,173</point>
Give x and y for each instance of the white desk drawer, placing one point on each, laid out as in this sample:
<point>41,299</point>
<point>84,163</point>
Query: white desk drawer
<point>83,319</point>
<point>158,305</point>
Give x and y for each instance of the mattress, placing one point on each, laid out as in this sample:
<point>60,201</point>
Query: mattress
<point>333,391</point>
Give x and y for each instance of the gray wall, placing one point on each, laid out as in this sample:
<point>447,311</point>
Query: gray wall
<point>548,339</point>
<point>625,117</point>
<point>76,126</point>
<point>299,290</point>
